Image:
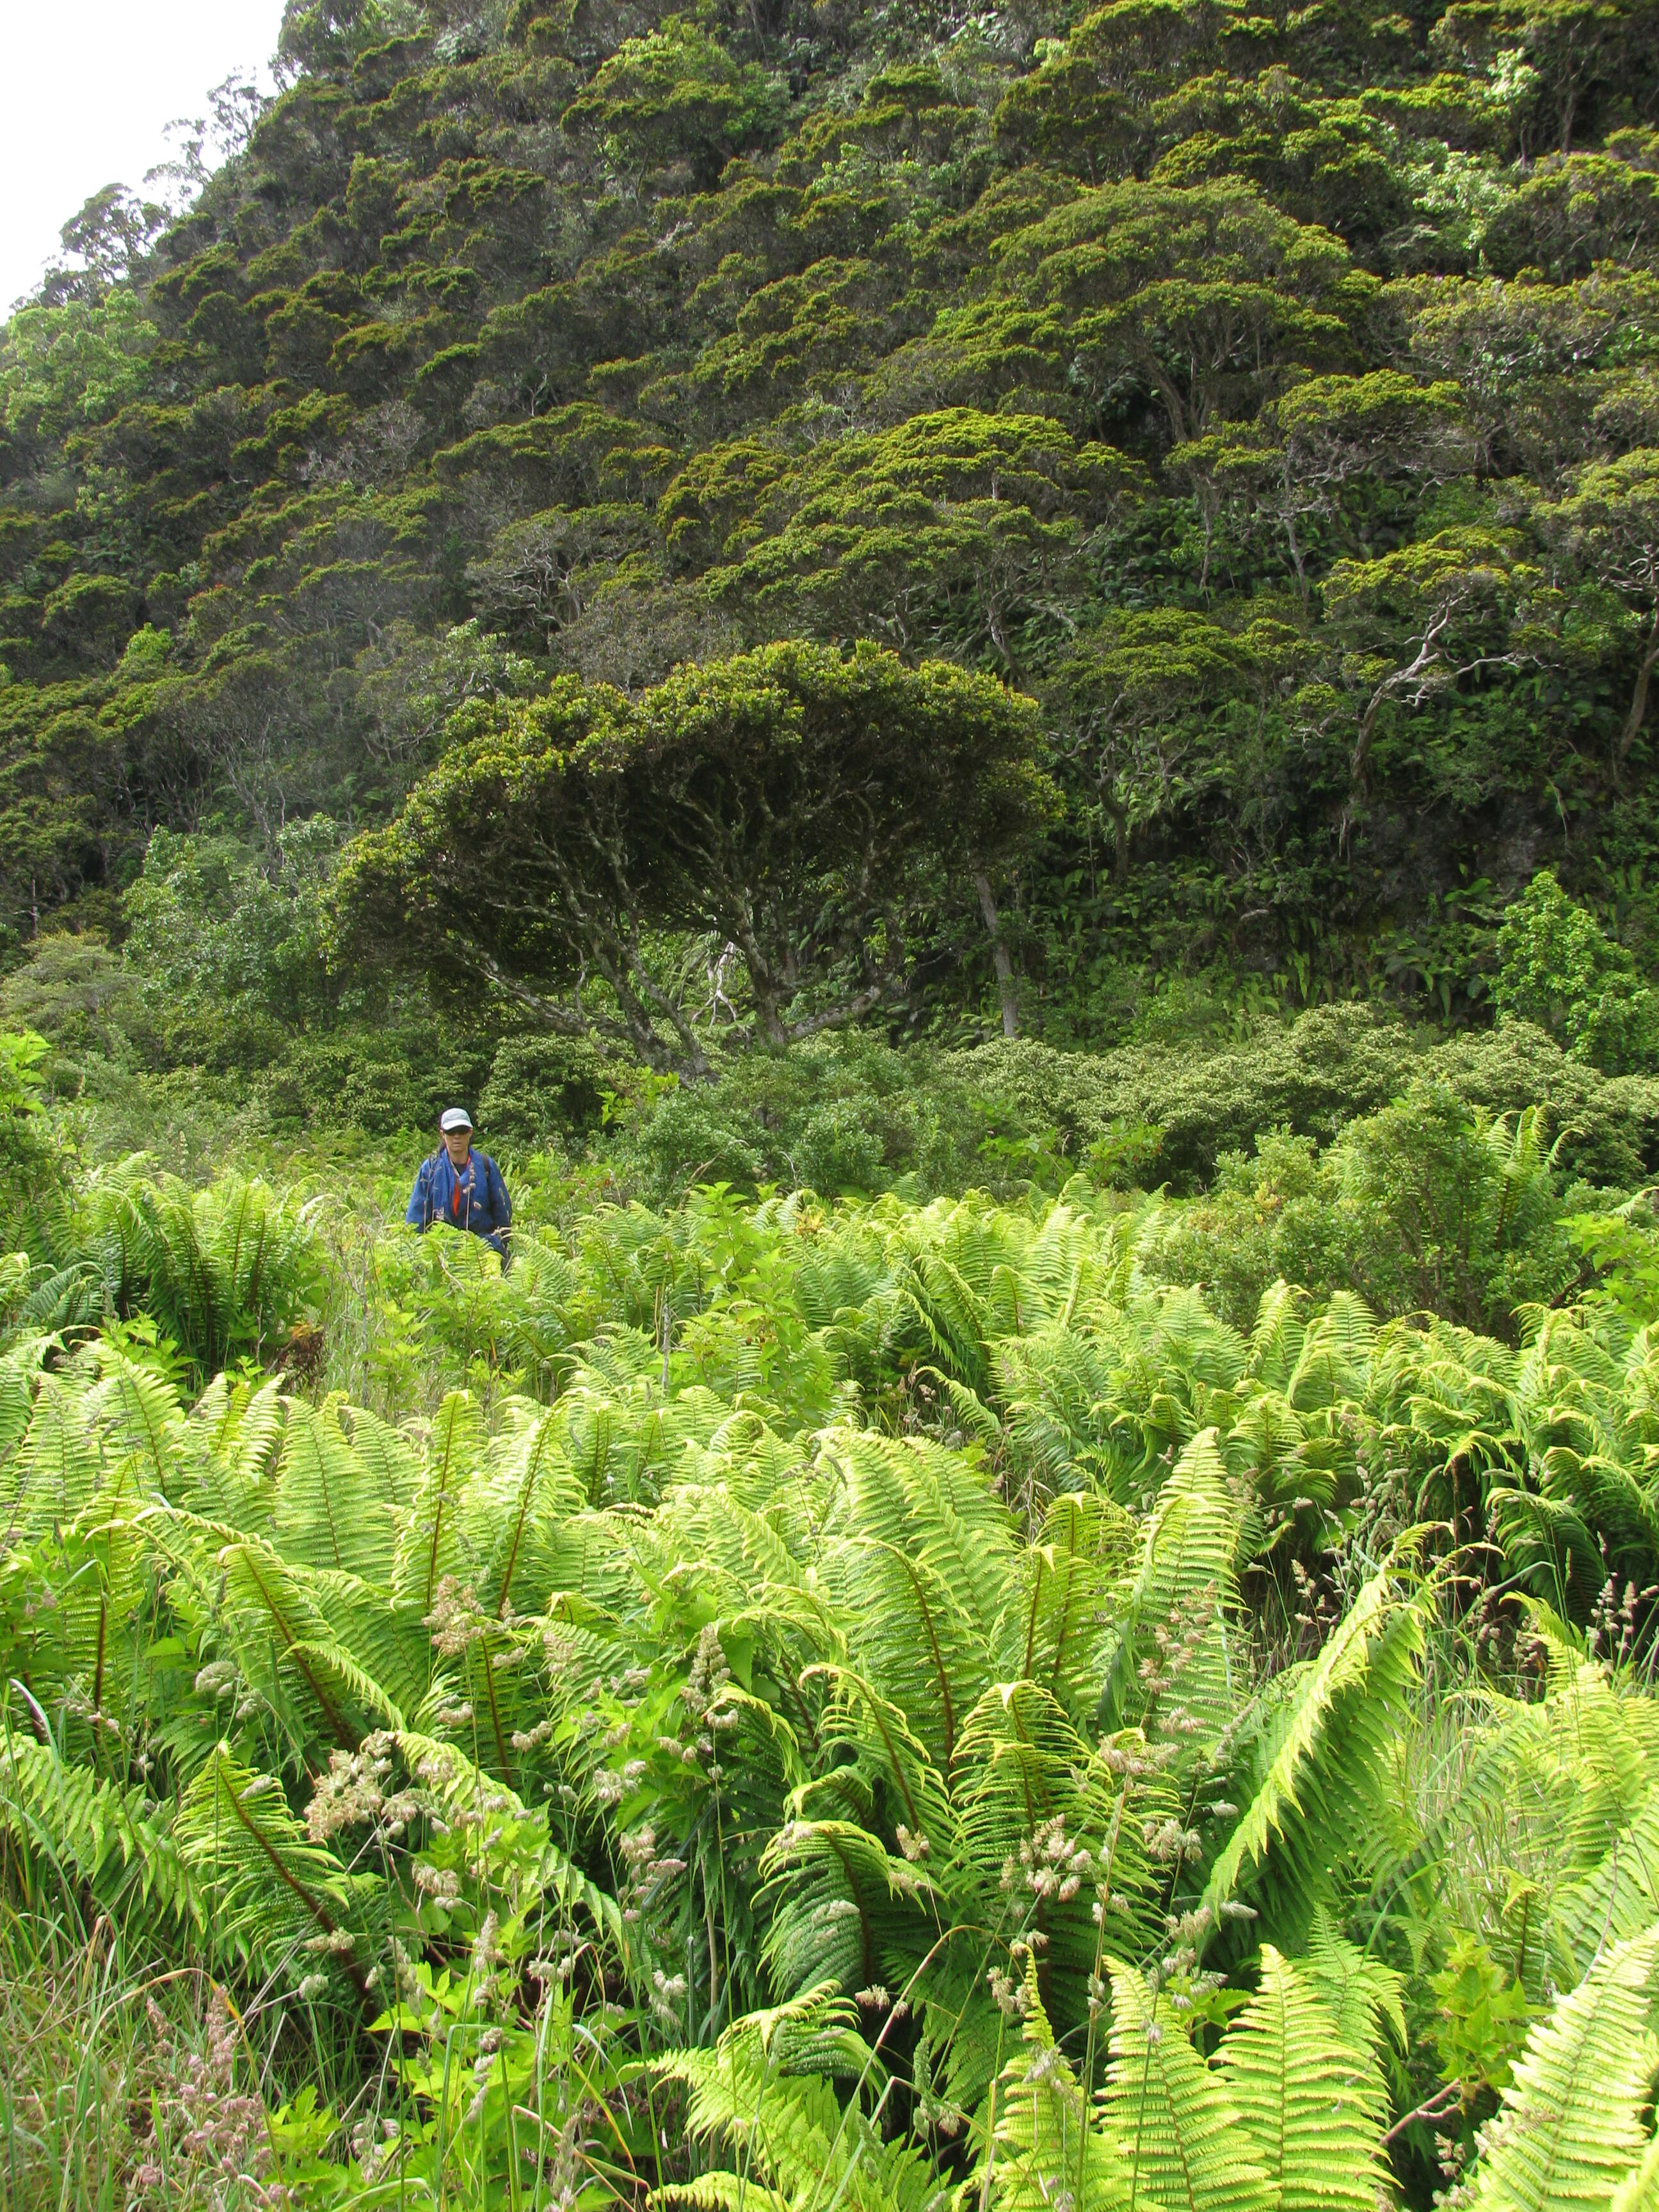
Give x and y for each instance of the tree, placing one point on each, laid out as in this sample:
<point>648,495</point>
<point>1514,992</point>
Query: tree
<point>1609,523</point>
<point>1206,295</point>
<point>675,95</point>
<point>1520,355</point>
<point>63,367</point>
<point>1550,59</point>
<point>1420,620</point>
<point>545,569</point>
<point>950,529</point>
<point>1139,696</point>
<point>1292,464</point>
<point>807,810</point>
<point>1086,107</point>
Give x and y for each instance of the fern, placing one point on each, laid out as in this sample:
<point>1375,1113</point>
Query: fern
<point>327,1512</point>
<point>1184,1583</point>
<point>1171,2122</point>
<point>1300,1726</point>
<point>760,2089</point>
<point>1044,2144</point>
<point>1570,2126</point>
<point>272,1890</point>
<point>1304,2097</point>
<point>95,1832</point>
<point>1639,2191</point>
<point>1362,1995</point>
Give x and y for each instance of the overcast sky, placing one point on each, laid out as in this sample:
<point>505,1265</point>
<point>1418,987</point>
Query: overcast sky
<point>86,90</point>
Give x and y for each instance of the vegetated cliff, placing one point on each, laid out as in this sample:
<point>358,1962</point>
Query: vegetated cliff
<point>1273,396</point>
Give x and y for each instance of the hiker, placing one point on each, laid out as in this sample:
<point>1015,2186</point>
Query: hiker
<point>461,1186</point>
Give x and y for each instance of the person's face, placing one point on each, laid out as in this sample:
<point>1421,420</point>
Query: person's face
<point>458,1143</point>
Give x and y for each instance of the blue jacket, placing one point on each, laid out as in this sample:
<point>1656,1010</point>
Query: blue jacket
<point>476,1199</point>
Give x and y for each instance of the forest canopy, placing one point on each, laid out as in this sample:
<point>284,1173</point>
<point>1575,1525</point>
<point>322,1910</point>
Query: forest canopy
<point>1270,399</point>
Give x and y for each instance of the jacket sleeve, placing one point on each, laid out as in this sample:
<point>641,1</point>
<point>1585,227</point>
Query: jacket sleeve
<point>418,1206</point>
<point>501,1203</point>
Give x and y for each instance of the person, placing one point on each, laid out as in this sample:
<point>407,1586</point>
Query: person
<point>461,1186</point>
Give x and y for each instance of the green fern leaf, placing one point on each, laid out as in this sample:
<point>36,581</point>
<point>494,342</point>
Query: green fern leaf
<point>112,1839</point>
<point>272,1889</point>
<point>1305,2099</point>
<point>1171,2120</point>
<point>1570,2127</point>
<point>1341,1665</point>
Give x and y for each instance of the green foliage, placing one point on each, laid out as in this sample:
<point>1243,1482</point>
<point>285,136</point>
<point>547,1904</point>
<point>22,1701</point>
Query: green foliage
<point>1172,366</point>
<point>1558,969</point>
<point>63,367</point>
<point>226,1273</point>
<point>845,1656</point>
<point>883,1660</point>
<point>33,1214</point>
<point>1568,2129</point>
<point>1483,2019</point>
<point>1313,1078</point>
<point>788,808</point>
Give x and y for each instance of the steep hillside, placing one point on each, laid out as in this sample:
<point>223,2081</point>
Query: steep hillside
<point>1272,396</point>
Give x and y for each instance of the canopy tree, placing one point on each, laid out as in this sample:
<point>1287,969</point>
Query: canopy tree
<point>812,814</point>
<point>1610,523</point>
<point>1141,698</point>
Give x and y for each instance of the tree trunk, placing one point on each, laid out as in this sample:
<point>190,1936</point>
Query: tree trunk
<point>1007,992</point>
<point>1638,705</point>
<point>1119,817</point>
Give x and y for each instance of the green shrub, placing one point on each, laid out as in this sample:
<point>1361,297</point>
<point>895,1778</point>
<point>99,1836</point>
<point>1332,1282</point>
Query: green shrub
<point>1558,969</point>
<point>842,1113</point>
<point>1605,1128</point>
<point>78,994</point>
<point>1311,1077</point>
<point>1429,1204</point>
<point>542,1087</point>
<point>381,1079</point>
<point>33,1195</point>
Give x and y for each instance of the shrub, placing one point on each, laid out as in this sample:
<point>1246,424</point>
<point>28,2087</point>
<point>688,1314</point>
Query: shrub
<point>1428,1204</point>
<point>841,1113</point>
<point>541,1087</point>
<point>34,1197</point>
<point>1558,969</point>
<point>78,994</point>
<point>1311,1077</point>
<point>379,1079</point>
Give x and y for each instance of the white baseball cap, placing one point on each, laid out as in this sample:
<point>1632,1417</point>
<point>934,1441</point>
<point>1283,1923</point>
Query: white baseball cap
<point>454,1117</point>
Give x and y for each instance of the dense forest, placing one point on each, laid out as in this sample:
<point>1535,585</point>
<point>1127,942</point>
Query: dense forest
<point>984,682</point>
<point>1270,400</point>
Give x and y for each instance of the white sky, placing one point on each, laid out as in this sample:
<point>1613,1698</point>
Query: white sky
<point>86,90</point>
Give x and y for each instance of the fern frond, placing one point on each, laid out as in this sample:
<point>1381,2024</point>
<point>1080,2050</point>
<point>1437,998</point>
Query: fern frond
<point>428,1543</point>
<point>1340,1667</point>
<point>1170,2119</point>
<point>1049,1630</point>
<point>761,2090</point>
<point>1569,2128</point>
<point>1044,2144</point>
<point>936,1504</point>
<point>113,1840</point>
<point>1310,2112</point>
<point>327,1513</point>
<point>270,1888</point>
<point>1360,1992</point>
<point>1184,1580</point>
<point>844,1915</point>
<point>1639,2189</point>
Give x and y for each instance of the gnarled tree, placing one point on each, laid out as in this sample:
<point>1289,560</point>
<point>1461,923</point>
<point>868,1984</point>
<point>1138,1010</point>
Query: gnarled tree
<point>813,813</point>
